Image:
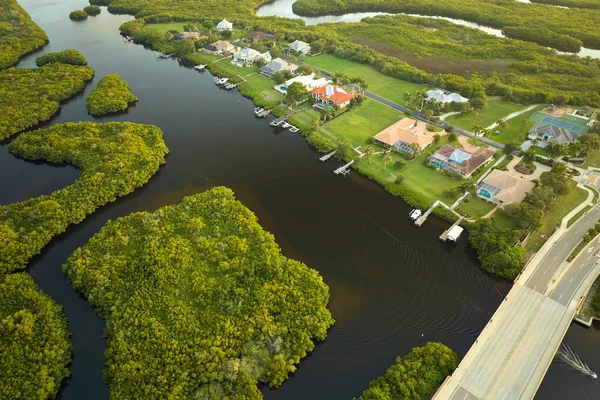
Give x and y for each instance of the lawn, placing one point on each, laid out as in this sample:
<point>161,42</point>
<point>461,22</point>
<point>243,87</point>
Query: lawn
<point>493,111</point>
<point>562,206</point>
<point>304,119</point>
<point>475,208</point>
<point>592,160</point>
<point>385,86</point>
<point>362,123</point>
<point>516,131</point>
<point>178,26</point>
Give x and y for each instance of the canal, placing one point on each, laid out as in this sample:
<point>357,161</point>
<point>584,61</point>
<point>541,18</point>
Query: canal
<point>389,281</point>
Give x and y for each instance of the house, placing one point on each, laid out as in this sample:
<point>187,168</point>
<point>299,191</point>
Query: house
<point>300,47</point>
<point>257,36</point>
<point>444,96</point>
<point>549,133</point>
<point>459,161</point>
<point>188,35</point>
<point>330,95</point>
<point>404,133</point>
<point>309,82</point>
<point>248,56</point>
<point>277,65</point>
<point>220,46</point>
<point>224,26</point>
<point>501,188</point>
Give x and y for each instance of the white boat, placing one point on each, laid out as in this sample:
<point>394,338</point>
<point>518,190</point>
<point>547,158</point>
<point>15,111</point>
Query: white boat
<point>258,110</point>
<point>285,125</point>
<point>415,214</point>
<point>223,81</point>
<point>454,233</point>
<point>200,67</point>
<point>293,129</point>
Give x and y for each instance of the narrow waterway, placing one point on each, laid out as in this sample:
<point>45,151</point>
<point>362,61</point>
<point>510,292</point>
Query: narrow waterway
<point>389,281</point>
<point>283,8</point>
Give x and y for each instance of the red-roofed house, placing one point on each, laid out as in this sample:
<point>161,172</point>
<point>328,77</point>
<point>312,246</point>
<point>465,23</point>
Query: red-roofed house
<point>330,95</point>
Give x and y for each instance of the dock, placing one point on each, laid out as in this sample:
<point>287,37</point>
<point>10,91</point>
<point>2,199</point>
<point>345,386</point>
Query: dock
<point>444,236</point>
<point>421,220</point>
<point>360,154</point>
<point>165,56</point>
<point>278,121</point>
<point>264,113</point>
<point>344,169</point>
<point>327,156</point>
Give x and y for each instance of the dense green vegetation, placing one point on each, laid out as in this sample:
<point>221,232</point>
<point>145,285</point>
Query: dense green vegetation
<point>199,301</point>
<point>71,56</point>
<point>19,35</point>
<point>34,343</point>
<point>92,10</point>
<point>415,376</point>
<point>30,96</point>
<point>111,95</point>
<point>589,236</point>
<point>114,158</point>
<point>576,23</point>
<point>78,15</point>
<point>570,3</point>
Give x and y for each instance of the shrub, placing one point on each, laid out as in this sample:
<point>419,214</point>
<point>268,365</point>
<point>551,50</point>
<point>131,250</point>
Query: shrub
<point>92,10</point>
<point>111,95</point>
<point>78,15</point>
<point>71,56</point>
<point>399,163</point>
<point>399,179</point>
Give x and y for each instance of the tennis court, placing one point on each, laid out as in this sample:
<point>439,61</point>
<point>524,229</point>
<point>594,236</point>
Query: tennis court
<point>562,124</point>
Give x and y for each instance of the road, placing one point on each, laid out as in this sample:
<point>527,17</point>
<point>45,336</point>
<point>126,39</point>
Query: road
<point>512,354</point>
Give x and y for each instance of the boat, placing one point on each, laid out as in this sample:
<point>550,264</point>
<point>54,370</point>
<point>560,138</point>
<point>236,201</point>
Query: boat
<point>258,110</point>
<point>200,67</point>
<point>293,129</point>
<point>222,81</point>
<point>454,233</point>
<point>285,125</point>
<point>415,214</point>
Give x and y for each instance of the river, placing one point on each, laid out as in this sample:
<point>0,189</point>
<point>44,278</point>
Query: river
<point>283,8</point>
<point>389,281</point>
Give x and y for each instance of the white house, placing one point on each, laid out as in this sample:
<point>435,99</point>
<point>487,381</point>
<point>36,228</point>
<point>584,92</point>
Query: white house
<point>300,47</point>
<point>225,26</point>
<point>443,96</point>
<point>248,56</point>
<point>309,82</point>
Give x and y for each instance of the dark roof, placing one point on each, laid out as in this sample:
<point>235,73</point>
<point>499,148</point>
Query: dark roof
<point>467,166</point>
<point>557,134</point>
<point>257,35</point>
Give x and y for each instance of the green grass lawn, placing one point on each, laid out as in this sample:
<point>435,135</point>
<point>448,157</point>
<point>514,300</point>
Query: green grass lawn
<point>562,206</point>
<point>178,26</point>
<point>362,123</point>
<point>475,208</point>
<point>592,160</point>
<point>493,111</point>
<point>516,130</point>
<point>385,86</point>
<point>304,119</point>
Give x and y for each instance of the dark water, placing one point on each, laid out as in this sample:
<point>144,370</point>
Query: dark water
<point>389,281</point>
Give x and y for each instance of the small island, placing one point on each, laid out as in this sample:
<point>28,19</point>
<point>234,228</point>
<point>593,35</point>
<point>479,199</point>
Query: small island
<point>34,343</point>
<point>78,15</point>
<point>92,10</point>
<point>19,35</point>
<point>415,376</point>
<point>115,158</point>
<point>111,95</point>
<point>199,301</point>
<point>70,56</point>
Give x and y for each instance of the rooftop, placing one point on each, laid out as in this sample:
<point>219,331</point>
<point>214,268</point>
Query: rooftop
<point>512,189</point>
<point>466,161</point>
<point>334,93</point>
<point>443,96</point>
<point>409,131</point>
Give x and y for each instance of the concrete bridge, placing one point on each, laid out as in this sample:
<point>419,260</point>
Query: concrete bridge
<point>510,357</point>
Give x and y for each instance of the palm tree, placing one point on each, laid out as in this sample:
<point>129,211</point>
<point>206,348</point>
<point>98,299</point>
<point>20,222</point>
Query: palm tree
<point>420,97</point>
<point>478,130</point>
<point>408,97</point>
<point>475,115</point>
<point>529,155</point>
<point>386,158</point>
<point>502,124</point>
<point>416,149</point>
<point>369,153</point>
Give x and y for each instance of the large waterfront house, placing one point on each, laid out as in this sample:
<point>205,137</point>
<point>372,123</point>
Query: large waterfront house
<point>404,133</point>
<point>552,134</point>
<point>257,36</point>
<point>225,26</point>
<point>444,96</point>
<point>460,161</point>
<point>501,188</point>
<point>330,95</point>
<point>308,81</point>
<point>219,47</point>
<point>249,56</point>
<point>277,65</point>
<point>299,46</point>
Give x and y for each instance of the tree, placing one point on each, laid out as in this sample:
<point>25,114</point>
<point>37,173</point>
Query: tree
<point>428,114</point>
<point>510,148</point>
<point>226,34</point>
<point>528,155</point>
<point>436,138</point>
<point>275,51</point>
<point>420,97</point>
<point>386,158</point>
<point>408,97</point>
<point>502,124</point>
<point>208,25</point>
<point>556,178</point>
<point>541,197</point>
<point>415,148</point>
<point>399,179</point>
<point>506,263</point>
<point>477,103</point>
<point>304,69</point>
<point>369,153</point>
<point>478,130</point>
<point>452,136</point>
<point>525,215</point>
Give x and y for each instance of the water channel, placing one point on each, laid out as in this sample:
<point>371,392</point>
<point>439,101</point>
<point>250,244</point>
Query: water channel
<point>283,8</point>
<point>390,282</point>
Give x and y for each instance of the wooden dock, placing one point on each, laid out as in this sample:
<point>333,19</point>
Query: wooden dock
<point>344,169</point>
<point>278,121</point>
<point>421,220</point>
<point>444,236</point>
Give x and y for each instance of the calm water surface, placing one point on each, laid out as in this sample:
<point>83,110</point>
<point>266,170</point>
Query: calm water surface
<point>389,281</point>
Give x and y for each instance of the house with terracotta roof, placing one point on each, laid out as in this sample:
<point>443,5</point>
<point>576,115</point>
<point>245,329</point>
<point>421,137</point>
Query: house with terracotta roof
<point>501,188</point>
<point>459,161</point>
<point>404,133</point>
<point>330,95</point>
<point>219,47</point>
<point>257,36</point>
